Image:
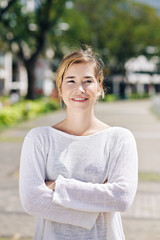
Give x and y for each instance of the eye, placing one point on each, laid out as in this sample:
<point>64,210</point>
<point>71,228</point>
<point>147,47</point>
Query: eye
<point>88,81</point>
<point>71,81</point>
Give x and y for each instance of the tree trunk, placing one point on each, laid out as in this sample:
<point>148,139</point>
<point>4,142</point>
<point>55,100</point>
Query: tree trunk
<point>30,67</point>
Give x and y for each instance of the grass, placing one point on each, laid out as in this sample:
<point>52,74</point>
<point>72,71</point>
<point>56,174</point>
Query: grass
<point>15,238</point>
<point>149,177</point>
<point>11,139</point>
<point>142,176</point>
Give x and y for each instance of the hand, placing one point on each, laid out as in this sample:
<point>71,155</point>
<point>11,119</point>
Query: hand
<point>105,182</point>
<point>51,184</point>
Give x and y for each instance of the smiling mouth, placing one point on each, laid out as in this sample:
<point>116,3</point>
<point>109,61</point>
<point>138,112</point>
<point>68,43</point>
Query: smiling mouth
<point>79,99</point>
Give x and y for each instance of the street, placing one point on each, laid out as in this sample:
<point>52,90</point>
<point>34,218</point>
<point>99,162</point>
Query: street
<point>141,221</point>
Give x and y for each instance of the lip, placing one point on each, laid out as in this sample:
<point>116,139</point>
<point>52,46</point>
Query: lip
<point>79,99</point>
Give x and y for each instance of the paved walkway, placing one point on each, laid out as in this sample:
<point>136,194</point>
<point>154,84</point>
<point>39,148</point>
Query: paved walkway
<point>141,221</point>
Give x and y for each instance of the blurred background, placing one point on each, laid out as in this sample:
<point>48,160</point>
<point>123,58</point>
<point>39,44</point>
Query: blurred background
<point>34,36</point>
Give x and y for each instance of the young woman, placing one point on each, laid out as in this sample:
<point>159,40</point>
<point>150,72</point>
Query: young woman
<point>78,175</point>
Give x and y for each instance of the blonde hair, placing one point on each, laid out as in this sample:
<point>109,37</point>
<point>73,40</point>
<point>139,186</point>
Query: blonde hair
<point>81,56</point>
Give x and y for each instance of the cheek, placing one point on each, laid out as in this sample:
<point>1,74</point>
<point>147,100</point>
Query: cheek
<point>67,89</point>
<point>93,89</point>
<point>65,92</point>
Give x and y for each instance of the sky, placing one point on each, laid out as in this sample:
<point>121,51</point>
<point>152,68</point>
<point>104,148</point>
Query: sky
<point>153,3</point>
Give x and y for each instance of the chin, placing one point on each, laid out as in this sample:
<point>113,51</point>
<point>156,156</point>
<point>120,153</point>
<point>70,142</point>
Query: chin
<point>81,109</point>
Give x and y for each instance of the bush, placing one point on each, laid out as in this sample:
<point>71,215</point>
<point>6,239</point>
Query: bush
<point>27,109</point>
<point>139,96</point>
<point>109,98</point>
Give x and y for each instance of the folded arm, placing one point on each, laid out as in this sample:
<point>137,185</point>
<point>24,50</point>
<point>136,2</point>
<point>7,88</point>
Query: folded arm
<point>52,184</point>
<point>117,195</point>
<point>36,197</point>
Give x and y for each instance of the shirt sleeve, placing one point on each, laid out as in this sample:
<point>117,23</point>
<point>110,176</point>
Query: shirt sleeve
<point>36,197</point>
<point>116,195</point>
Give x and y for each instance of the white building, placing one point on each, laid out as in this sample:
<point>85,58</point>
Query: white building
<point>13,78</point>
<point>142,73</point>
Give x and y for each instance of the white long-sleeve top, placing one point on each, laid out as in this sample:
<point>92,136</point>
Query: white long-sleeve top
<point>81,207</point>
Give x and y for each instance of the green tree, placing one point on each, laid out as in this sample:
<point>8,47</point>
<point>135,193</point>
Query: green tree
<point>118,29</point>
<point>25,32</point>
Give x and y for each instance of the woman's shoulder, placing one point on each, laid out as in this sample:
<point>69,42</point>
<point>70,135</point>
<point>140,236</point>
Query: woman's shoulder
<point>121,130</point>
<point>38,132</point>
<point>121,133</point>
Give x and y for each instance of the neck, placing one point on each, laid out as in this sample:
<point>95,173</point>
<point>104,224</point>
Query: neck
<point>80,123</point>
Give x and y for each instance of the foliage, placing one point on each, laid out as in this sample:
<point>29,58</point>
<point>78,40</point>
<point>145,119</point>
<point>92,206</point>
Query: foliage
<point>117,29</point>
<point>139,96</point>
<point>110,98</point>
<point>27,109</point>
<point>25,31</point>
<point>133,96</point>
<point>120,29</point>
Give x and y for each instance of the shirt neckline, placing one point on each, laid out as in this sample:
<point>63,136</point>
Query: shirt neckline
<point>80,137</point>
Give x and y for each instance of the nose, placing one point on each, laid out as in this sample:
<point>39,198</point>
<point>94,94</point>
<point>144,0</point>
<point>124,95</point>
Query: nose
<point>80,88</point>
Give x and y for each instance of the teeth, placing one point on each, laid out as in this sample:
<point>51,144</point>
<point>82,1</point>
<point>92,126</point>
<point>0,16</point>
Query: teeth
<point>79,99</point>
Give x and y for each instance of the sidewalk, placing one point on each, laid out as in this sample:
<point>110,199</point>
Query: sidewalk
<point>141,221</point>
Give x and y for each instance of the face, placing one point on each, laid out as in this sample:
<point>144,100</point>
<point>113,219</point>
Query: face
<point>80,88</point>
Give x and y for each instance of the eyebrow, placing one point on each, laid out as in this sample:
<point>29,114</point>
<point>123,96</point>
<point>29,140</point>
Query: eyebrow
<point>88,77</point>
<point>70,77</point>
<point>73,77</point>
